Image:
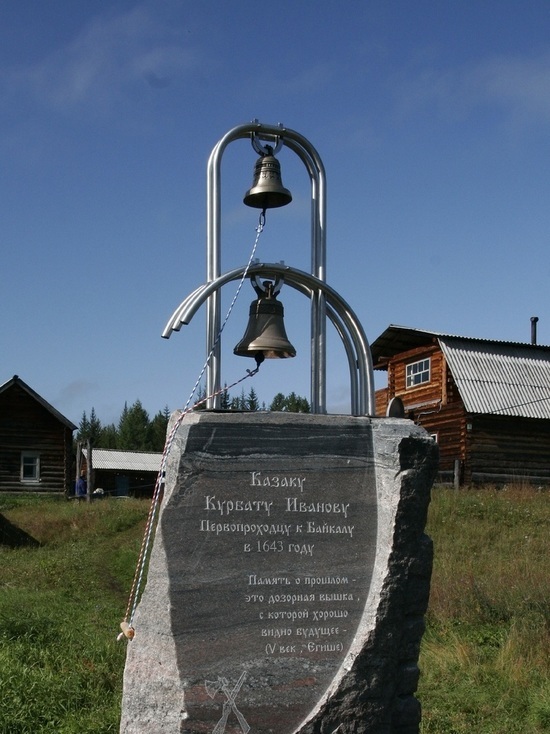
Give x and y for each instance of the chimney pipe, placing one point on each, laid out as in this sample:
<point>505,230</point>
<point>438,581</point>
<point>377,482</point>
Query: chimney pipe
<point>534,320</point>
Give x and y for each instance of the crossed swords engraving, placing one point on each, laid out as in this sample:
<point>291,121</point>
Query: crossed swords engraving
<point>213,687</point>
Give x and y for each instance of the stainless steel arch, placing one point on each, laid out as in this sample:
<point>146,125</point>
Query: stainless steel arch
<point>344,319</point>
<point>311,159</point>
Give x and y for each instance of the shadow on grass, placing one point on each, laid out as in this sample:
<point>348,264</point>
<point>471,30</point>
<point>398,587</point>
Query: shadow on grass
<point>14,537</point>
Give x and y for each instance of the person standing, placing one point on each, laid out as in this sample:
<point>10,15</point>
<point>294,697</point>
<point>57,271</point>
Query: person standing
<point>81,488</point>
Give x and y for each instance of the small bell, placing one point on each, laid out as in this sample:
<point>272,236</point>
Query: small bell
<point>265,336</point>
<point>267,190</point>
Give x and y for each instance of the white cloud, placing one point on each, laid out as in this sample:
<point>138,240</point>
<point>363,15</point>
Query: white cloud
<point>517,86</point>
<point>310,80</point>
<point>110,56</point>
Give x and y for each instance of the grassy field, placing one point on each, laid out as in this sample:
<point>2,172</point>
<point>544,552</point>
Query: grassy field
<point>484,660</point>
<point>60,609</point>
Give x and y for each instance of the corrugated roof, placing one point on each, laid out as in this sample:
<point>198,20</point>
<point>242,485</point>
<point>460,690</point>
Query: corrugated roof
<point>396,339</point>
<point>124,460</point>
<point>500,377</point>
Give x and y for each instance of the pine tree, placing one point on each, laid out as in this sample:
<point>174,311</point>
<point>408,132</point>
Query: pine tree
<point>291,403</point>
<point>225,399</point>
<point>157,430</point>
<point>278,402</point>
<point>133,428</point>
<point>297,404</point>
<point>252,402</point>
<point>108,438</point>
<point>89,430</point>
<point>240,402</point>
<point>95,428</point>
<point>83,429</point>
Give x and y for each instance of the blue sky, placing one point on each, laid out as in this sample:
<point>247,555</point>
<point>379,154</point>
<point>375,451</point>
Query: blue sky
<point>433,123</point>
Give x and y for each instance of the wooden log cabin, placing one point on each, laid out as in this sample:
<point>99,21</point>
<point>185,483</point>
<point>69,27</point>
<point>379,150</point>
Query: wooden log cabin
<point>35,442</point>
<point>486,402</point>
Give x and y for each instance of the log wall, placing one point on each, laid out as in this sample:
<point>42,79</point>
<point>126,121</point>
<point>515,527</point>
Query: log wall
<point>25,425</point>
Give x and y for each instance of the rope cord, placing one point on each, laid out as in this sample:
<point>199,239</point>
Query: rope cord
<point>126,625</point>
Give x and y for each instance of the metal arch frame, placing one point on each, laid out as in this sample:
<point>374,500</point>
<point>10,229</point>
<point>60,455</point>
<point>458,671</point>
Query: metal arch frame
<point>312,285</point>
<point>344,319</point>
<point>309,156</point>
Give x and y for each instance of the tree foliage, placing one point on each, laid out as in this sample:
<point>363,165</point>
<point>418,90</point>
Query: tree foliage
<point>135,431</point>
<point>90,428</point>
<point>133,428</point>
<point>157,429</point>
<point>291,403</point>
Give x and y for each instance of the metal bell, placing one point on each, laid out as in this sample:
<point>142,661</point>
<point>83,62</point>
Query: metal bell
<point>265,336</point>
<point>267,190</point>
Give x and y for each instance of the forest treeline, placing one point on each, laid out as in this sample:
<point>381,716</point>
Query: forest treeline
<point>136,431</point>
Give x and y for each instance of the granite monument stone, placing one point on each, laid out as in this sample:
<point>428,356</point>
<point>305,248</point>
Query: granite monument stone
<point>288,579</point>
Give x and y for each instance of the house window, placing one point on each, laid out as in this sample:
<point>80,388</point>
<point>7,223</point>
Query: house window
<point>418,373</point>
<point>30,466</point>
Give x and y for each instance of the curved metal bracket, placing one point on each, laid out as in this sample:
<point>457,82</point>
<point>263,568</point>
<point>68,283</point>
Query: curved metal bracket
<point>344,319</point>
<point>260,288</point>
<point>264,149</point>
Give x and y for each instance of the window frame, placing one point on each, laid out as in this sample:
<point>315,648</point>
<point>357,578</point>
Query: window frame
<point>35,464</point>
<point>410,375</point>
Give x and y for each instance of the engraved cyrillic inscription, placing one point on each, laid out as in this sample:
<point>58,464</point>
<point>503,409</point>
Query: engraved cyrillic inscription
<point>287,530</point>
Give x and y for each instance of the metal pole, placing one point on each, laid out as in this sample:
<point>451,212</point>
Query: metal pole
<point>313,163</point>
<point>316,171</point>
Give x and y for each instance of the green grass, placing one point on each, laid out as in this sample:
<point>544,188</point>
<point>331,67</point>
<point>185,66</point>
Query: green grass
<point>60,609</point>
<point>484,658</point>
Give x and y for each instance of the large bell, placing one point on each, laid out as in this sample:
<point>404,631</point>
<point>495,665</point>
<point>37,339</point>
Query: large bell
<point>265,336</point>
<point>267,190</point>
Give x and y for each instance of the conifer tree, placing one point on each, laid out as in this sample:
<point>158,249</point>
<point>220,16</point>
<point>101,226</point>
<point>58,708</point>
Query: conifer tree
<point>89,429</point>
<point>157,430</point>
<point>291,403</point>
<point>239,403</point>
<point>278,402</point>
<point>252,402</point>
<point>133,428</point>
<point>83,428</point>
<point>225,399</point>
<point>108,438</point>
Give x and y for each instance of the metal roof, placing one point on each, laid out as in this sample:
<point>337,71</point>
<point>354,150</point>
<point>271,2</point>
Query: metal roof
<point>500,377</point>
<point>124,460</point>
<point>396,339</point>
<point>492,377</point>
